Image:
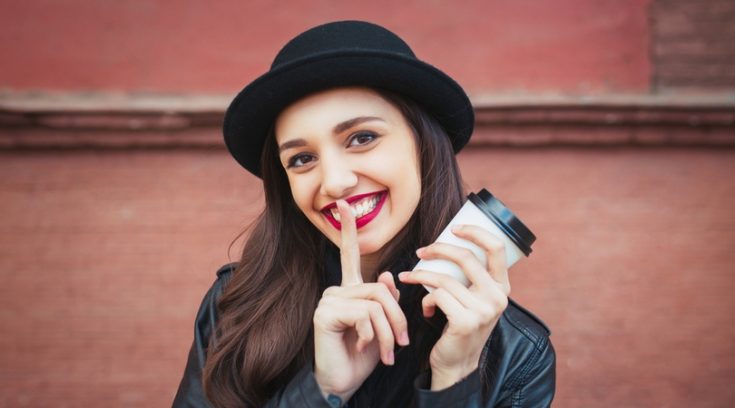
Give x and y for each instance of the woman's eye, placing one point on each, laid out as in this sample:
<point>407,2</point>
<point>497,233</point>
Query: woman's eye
<point>300,160</point>
<point>362,138</point>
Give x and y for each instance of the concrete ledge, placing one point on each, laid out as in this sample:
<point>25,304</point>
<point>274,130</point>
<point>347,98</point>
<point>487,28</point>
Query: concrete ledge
<point>119,120</point>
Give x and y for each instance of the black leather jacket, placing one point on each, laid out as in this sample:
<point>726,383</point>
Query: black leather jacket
<point>518,357</point>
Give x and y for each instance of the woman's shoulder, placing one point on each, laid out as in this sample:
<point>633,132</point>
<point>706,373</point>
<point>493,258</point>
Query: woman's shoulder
<point>225,271</point>
<point>521,335</point>
<point>520,347</point>
<point>525,324</point>
<point>206,318</point>
<point>519,360</point>
<point>224,274</point>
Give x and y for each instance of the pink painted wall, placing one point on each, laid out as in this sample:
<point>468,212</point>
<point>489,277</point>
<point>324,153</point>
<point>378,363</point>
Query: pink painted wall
<point>507,46</point>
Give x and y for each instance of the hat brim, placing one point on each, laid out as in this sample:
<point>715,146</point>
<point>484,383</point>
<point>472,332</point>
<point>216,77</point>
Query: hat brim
<point>253,111</point>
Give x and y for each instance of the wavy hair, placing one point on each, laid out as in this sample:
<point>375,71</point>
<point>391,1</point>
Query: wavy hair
<point>264,331</point>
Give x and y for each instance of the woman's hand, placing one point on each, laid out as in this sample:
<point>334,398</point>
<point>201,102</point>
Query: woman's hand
<point>356,324</point>
<point>472,312</point>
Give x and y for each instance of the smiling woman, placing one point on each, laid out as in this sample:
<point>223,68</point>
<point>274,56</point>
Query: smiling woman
<point>354,139</point>
<point>351,145</point>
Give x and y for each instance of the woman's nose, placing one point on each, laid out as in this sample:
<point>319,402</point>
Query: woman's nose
<point>338,178</point>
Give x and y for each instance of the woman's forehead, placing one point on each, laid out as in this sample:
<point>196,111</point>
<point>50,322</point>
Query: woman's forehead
<point>324,110</point>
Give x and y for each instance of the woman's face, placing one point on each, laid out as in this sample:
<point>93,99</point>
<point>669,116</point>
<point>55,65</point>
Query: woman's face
<point>350,143</point>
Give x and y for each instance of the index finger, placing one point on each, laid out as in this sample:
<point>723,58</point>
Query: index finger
<point>493,247</point>
<point>349,249</point>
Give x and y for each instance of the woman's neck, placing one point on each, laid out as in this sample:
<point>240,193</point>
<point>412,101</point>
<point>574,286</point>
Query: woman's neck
<point>369,267</point>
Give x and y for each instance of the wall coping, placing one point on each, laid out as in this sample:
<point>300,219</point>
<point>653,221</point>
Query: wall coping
<point>45,101</point>
<point>31,119</point>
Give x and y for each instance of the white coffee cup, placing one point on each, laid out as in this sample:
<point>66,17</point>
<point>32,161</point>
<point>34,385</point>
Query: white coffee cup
<point>486,211</point>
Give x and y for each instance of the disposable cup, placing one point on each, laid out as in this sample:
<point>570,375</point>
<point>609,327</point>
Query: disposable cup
<point>486,211</point>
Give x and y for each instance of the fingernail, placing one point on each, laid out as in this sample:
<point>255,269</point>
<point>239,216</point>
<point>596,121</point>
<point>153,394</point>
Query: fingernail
<point>390,358</point>
<point>456,228</point>
<point>403,339</point>
<point>403,275</point>
<point>420,251</point>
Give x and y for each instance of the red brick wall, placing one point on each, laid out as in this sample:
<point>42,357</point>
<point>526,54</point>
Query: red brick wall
<point>114,218</point>
<point>693,44</point>
<point>569,46</point>
<point>104,257</point>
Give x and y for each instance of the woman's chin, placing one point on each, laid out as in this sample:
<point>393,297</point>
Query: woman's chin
<point>366,250</point>
<point>369,247</point>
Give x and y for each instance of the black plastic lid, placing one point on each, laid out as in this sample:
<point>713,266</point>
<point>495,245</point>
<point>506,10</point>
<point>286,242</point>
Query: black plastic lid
<point>504,219</point>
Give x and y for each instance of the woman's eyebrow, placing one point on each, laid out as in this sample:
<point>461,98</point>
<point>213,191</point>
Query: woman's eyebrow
<point>341,127</point>
<point>291,144</point>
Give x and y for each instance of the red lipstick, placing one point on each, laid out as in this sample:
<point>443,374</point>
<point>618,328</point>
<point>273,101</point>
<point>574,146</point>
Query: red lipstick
<point>362,221</point>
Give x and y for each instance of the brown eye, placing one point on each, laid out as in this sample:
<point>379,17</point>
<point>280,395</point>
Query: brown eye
<point>300,160</point>
<point>362,138</point>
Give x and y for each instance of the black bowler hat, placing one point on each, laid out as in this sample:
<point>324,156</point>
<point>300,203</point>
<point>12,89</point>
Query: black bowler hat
<point>343,53</point>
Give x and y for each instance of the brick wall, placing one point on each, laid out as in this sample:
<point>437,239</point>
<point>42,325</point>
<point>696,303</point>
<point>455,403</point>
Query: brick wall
<point>693,44</point>
<point>105,255</point>
<point>569,46</point>
<point>117,206</point>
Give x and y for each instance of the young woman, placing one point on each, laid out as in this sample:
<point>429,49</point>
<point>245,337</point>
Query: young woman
<point>354,139</point>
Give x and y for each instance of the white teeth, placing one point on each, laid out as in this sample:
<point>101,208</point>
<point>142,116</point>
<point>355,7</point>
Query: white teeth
<point>360,208</point>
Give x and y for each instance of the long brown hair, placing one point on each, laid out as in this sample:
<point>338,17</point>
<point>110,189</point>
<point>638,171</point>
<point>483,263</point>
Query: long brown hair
<point>263,335</point>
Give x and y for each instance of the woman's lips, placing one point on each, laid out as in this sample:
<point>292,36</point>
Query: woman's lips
<point>362,221</point>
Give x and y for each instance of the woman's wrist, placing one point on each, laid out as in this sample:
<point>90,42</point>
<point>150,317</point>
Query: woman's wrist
<point>446,377</point>
<point>334,397</point>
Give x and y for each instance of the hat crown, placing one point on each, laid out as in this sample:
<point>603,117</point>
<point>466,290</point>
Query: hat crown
<point>339,54</point>
<point>341,37</point>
